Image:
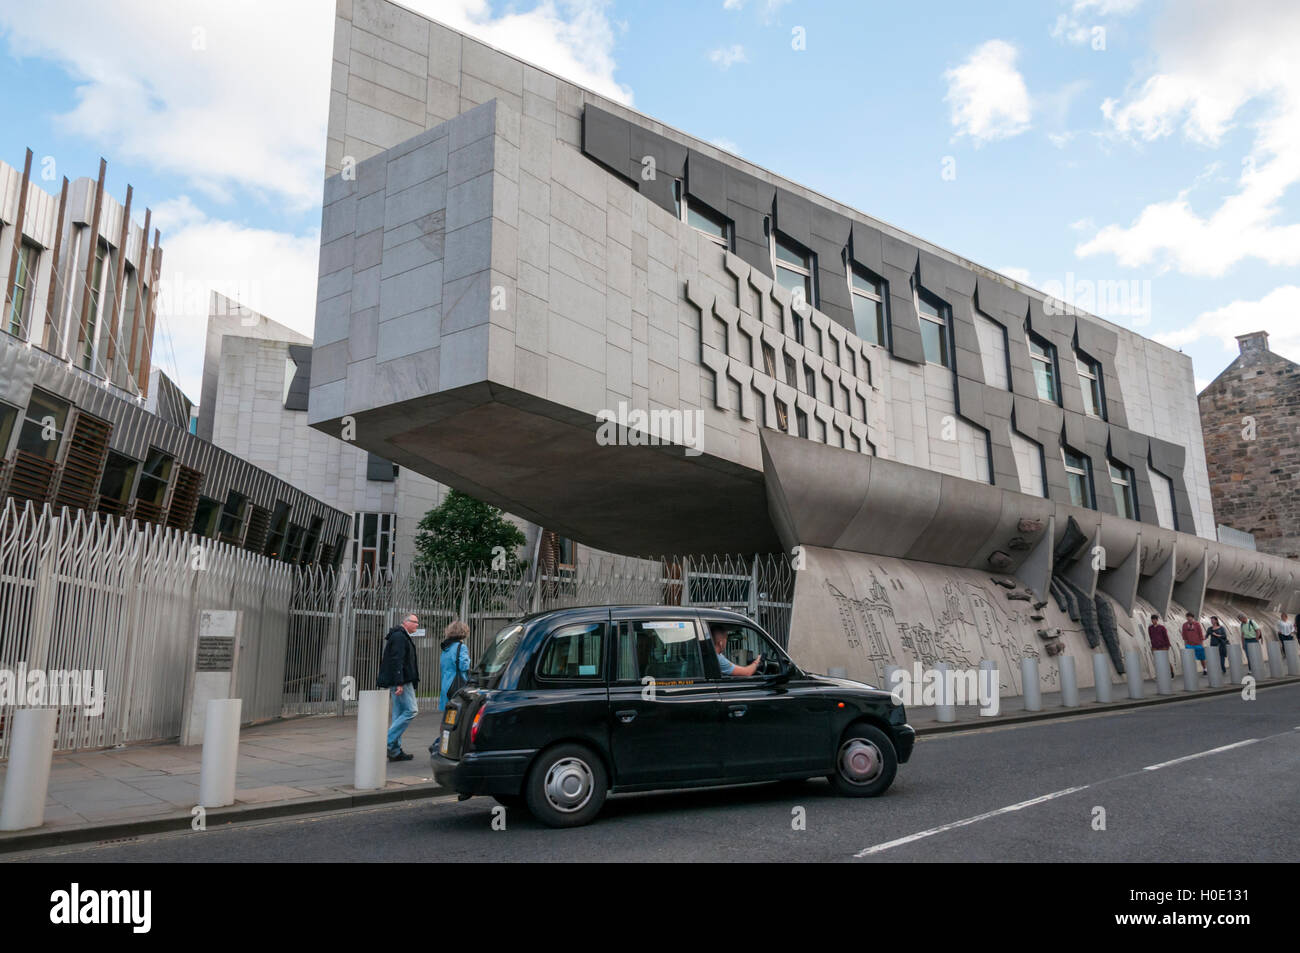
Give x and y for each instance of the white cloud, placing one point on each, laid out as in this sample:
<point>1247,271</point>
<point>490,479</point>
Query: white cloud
<point>727,56</point>
<point>571,38</point>
<point>1275,313</point>
<point>768,9</point>
<point>272,272</point>
<point>987,94</point>
<point>247,108</point>
<point>1209,69</point>
<point>1069,26</point>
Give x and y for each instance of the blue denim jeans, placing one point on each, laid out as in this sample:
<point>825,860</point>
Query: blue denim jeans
<point>404,709</point>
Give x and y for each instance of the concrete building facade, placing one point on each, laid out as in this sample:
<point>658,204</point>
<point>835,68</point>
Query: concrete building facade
<point>610,327</point>
<point>1248,414</point>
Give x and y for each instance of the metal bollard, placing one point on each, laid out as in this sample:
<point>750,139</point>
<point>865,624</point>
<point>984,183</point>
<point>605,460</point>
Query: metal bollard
<point>1191,671</point>
<point>220,752</point>
<point>946,708</point>
<point>1234,664</point>
<point>1029,684</point>
<point>1212,666</point>
<point>1292,658</point>
<point>1164,676</point>
<point>1255,659</point>
<point>27,781</point>
<point>372,740</point>
<point>1101,676</point>
<point>1276,664</point>
<point>994,681</point>
<point>1133,666</point>
<point>1069,683</point>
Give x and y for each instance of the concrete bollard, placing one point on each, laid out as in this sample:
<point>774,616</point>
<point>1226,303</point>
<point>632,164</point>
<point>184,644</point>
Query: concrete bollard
<point>1101,676</point>
<point>1234,664</point>
<point>1212,665</point>
<point>994,681</point>
<point>372,740</point>
<point>1069,683</point>
<point>1133,669</point>
<point>1164,677</point>
<point>1255,659</point>
<point>1191,670</point>
<point>946,707</point>
<point>1276,664</point>
<point>220,752</point>
<point>1033,691</point>
<point>1292,658</point>
<point>31,751</point>
<point>838,671</point>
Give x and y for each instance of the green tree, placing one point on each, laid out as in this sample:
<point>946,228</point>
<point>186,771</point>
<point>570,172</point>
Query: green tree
<point>463,530</point>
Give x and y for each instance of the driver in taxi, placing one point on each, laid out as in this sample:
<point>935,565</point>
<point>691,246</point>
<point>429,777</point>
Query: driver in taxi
<point>725,664</point>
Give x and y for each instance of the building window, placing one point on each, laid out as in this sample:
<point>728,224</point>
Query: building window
<point>43,424</point>
<point>802,420</point>
<point>23,292</point>
<point>372,542</point>
<point>205,517</point>
<point>793,265</point>
<point>279,525</point>
<point>994,353</point>
<point>116,483</point>
<point>153,480</point>
<point>782,415</point>
<point>714,226</point>
<point>769,361</point>
<point>936,328</point>
<point>1121,478</point>
<point>869,315</point>
<point>231,526</point>
<point>810,381</point>
<point>1078,475</point>
<point>8,417</point>
<point>103,260</point>
<point>1046,376</point>
<point>1094,402</point>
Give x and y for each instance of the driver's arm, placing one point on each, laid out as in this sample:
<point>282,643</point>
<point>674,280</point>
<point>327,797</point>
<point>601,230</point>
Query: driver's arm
<point>749,669</point>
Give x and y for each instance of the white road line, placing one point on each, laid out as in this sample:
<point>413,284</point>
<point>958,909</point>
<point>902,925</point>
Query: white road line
<point>878,848</point>
<point>1165,764</point>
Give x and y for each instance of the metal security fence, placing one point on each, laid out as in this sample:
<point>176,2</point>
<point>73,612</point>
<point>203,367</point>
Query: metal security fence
<point>338,621</point>
<point>83,593</point>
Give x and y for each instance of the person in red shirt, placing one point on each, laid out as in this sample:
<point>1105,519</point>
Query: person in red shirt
<point>1194,638</point>
<point>1159,636</point>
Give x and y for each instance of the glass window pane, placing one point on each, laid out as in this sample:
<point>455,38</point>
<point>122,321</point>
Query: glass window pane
<point>1078,490</point>
<point>707,222</point>
<point>787,252</point>
<point>1045,378</point>
<point>793,282</point>
<point>573,652</point>
<point>862,283</point>
<point>934,339</point>
<point>661,650</point>
<point>927,308</point>
<point>866,319</point>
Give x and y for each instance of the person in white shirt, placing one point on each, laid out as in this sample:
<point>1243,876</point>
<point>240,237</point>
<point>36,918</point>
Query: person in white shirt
<point>1285,633</point>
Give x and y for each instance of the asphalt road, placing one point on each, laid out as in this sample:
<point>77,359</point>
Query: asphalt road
<point>1017,793</point>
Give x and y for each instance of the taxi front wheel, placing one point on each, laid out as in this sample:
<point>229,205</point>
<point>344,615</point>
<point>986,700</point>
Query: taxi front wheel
<point>865,764</point>
<point>566,786</point>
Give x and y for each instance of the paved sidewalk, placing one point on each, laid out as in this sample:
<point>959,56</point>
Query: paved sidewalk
<point>305,764</point>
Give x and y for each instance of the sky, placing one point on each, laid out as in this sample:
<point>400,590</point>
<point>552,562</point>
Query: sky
<point>1140,158</point>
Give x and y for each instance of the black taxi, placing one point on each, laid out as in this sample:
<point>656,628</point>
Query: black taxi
<point>568,706</point>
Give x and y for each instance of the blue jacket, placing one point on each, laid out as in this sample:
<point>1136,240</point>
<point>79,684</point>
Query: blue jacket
<point>455,657</point>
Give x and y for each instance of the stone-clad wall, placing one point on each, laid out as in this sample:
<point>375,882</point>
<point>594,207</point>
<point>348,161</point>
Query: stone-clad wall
<point>1256,482</point>
<point>590,329</point>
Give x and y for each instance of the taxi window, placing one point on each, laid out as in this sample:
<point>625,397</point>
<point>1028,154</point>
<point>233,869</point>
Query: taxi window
<point>664,650</point>
<point>574,652</point>
<point>745,644</point>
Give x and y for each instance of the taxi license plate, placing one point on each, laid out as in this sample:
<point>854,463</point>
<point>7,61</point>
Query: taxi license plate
<point>446,736</point>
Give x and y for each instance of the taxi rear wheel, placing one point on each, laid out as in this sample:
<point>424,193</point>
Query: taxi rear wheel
<point>566,786</point>
<point>865,763</point>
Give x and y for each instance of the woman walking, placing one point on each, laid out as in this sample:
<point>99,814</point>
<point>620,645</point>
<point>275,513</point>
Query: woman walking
<point>454,661</point>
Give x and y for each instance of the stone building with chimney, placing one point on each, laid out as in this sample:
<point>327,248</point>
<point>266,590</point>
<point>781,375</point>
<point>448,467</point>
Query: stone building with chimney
<point>1249,416</point>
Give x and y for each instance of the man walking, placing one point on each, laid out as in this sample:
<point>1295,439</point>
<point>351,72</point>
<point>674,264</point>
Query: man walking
<point>1219,638</point>
<point>1194,638</point>
<point>400,672</point>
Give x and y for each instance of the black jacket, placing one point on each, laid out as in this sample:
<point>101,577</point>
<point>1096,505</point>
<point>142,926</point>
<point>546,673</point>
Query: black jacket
<point>398,666</point>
